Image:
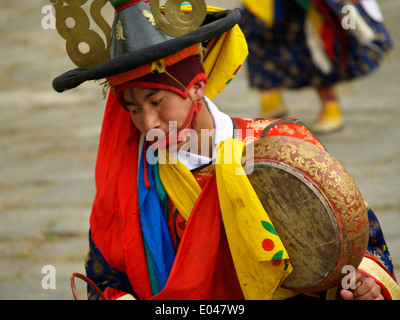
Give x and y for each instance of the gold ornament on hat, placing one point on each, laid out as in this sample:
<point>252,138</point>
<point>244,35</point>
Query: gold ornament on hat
<point>80,32</point>
<point>175,22</point>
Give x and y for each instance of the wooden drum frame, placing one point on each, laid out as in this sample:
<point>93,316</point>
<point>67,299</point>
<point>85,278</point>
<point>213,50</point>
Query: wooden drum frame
<point>315,206</point>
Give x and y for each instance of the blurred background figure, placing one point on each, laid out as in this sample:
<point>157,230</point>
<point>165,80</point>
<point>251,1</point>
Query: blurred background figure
<point>311,43</point>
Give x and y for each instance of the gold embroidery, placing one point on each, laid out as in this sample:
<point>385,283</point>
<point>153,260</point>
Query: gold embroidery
<point>258,124</point>
<point>119,32</point>
<point>98,268</point>
<point>149,16</point>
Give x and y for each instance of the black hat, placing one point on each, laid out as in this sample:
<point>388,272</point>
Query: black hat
<point>136,39</point>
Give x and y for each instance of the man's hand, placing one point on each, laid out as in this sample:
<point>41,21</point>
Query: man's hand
<point>366,289</point>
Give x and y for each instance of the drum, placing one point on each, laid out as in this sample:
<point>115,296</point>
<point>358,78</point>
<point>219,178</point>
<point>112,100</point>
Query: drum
<point>315,206</point>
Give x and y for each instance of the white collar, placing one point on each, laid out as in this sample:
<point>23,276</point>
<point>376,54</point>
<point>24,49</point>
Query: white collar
<point>223,130</point>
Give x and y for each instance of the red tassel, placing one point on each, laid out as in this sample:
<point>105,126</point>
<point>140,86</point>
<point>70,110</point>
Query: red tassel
<point>128,4</point>
<point>145,172</point>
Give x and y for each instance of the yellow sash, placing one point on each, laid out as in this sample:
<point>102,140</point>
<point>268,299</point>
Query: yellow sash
<point>260,260</point>
<point>372,268</point>
<point>179,183</point>
<point>223,56</point>
<point>252,238</point>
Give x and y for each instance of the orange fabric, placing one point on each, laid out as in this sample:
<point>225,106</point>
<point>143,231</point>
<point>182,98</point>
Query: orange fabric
<point>147,68</point>
<point>295,130</point>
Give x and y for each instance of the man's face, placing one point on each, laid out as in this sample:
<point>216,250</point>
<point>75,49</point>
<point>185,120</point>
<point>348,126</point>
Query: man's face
<point>154,109</point>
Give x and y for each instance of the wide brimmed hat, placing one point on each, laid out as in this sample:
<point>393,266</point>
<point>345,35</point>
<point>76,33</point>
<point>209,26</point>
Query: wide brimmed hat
<point>137,39</point>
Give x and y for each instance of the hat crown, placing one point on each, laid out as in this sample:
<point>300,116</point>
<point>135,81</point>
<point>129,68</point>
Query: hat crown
<point>134,29</point>
<point>128,51</point>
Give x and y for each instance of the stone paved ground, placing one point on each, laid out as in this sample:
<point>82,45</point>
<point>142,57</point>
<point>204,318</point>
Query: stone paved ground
<point>48,144</point>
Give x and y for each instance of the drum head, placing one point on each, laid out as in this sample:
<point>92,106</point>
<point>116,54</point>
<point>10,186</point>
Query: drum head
<point>293,204</point>
<point>314,205</point>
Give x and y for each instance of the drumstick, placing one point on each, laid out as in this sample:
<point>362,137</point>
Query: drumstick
<point>356,283</point>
